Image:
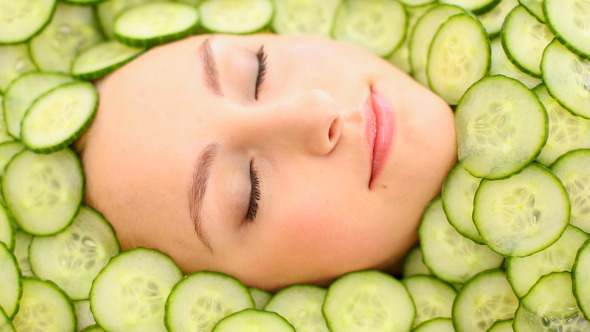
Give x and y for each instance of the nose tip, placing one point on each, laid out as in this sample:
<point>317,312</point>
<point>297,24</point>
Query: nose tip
<point>326,122</point>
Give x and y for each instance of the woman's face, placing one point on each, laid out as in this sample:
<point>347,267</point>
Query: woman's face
<point>322,169</point>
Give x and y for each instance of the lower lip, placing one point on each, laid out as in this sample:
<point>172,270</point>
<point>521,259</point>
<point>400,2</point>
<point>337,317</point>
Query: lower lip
<point>379,132</point>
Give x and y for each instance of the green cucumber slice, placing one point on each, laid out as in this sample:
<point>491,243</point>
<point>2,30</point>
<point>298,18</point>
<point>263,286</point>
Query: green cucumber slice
<point>581,278</point>
<point>156,23</point>
<point>201,299</point>
<point>44,304</point>
<point>524,272</point>
<point>7,151</point>
<point>432,297</point>
<point>43,191</point>
<point>566,76</point>
<point>552,297</point>
<point>307,17</point>
<point>5,322</point>
<point>21,94</point>
<point>22,20</point>
<point>492,21</point>
<point>459,56</point>
<point>524,38</point>
<point>457,198</point>
<point>14,62</point>
<point>566,131</point>
<point>436,325</point>
<point>7,229</point>
<point>21,252</point>
<point>502,326</point>
<point>526,321</point>
<point>422,36</point>
<point>368,301</point>
<point>102,59</point>
<point>502,66</point>
<point>413,264</point>
<point>107,12</point>
<point>417,3</point>
<point>377,26</point>
<point>574,172</point>
<point>75,256</point>
<point>485,299</point>
<point>260,297</point>
<point>522,214</point>
<point>10,281</point>
<point>59,117</point>
<point>449,255</point>
<point>72,29</point>
<point>84,315</point>
<point>474,6</point>
<point>236,17</point>
<point>253,320</point>
<point>4,136</point>
<point>535,7</point>
<point>501,127</point>
<point>301,306</point>
<point>130,292</point>
<point>568,19</point>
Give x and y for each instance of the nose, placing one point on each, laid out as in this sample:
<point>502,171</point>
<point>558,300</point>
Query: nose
<point>310,122</point>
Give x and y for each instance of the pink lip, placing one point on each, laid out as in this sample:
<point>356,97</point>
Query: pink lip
<point>379,131</point>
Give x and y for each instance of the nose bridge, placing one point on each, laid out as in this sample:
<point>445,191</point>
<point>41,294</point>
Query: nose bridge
<point>309,121</point>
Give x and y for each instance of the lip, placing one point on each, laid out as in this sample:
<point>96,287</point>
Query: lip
<point>379,130</point>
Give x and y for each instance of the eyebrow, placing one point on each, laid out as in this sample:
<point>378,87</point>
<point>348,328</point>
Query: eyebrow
<point>210,73</point>
<point>198,187</point>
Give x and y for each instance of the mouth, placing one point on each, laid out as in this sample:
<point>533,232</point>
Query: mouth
<point>378,132</point>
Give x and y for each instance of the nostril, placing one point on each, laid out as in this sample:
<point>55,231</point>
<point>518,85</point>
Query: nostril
<point>334,131</point>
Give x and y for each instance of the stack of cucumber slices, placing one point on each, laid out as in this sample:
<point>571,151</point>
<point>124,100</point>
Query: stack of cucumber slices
<point>504,248</point>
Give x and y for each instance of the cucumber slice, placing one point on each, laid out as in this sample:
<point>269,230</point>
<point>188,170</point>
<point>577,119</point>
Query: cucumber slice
<point>236,17</point>
<point>485,299</point>
<point>4,136</point>
<point>432,297</point>
<point>522,214</point>
<point>84,2</point>
<point>568,19</point>
<point>457,198</point>
<point>524,39</point>
<point>93,328</point>
<point>23,19</point>
<point>14,62</point>
<point>5,322</point>
<point>43,192</point>
<point>502,326</point>
<point>501,127</point>
<point>10,282</point>
<point>449,255</point>
<point>474,6</point>
<point>417,3</point>
<point>7,229</point>
<point>301,306</point>
<point>59,117</point>
<point>422,36</point>
<point>566,131</point>
<point>72,29</point>
<point>130,292</point>
<point>305,17</point>
<point>84,315</point>
<point>44,305</point>
<point>502,66</point>
<point>21,94</point>
<point>75,256</point>
<point>156,23</point>
<point>413,264</point>
<point>566,77</point>
<point>574,172</point>
<point>524,272</point>
<point>7,151</point>
<point>260,297</point>
<point>535,7</point>
<point>459,56</point>
<point>552,297</point>
<point>21,252</point>
<point>107,12</point>
<point>201,299</point>
<point>581,278</point>
<point>492,21</point>
<point>377,26</point>
<point>253,320</point>
<point>102,59</point>
<point>526,321</point>
<point>436,325</point>
<point>368,301</point>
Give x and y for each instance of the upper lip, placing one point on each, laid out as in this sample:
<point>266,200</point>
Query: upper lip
<point>378,131</point>
<point>370,130</point>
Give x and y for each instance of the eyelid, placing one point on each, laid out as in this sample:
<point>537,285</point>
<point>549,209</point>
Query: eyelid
<point>261,56</point>
<point>253,203</point>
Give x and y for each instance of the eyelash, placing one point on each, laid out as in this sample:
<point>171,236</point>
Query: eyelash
<point>261,56</point>
<point>254,194</point>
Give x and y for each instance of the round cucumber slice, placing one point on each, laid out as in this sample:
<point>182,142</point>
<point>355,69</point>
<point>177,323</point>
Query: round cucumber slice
<point>84,315</point>
<point>43,191</point>
<point>535,7</point>
<point>501,127</point>
<point>253,320</point>
<point>568,19</point>
<point>307,17</point>
<point>21,252</point>
<point>502,326</point>
<point>522,214</point>
<point>130,292</point>
<point>102,59</point>
<point>502,66</point>
<point>432,297</point>
<point>492,21</point>
<point>300,305</point>
<point>260,297</point>
<point>201,299</point>
<point>10,281</point>
<point>414,264</point>
<point>436,325</point>
<point>474,6</point>
<point>552,297</point>
<point>44,304</point>
<point>156,23</point>
<point>15,61</point>
<point>7,229</point>
<point>59,117</point>
<point>236,17</point>
<point>581,278</point>
<point>526,321</point>
<point>22,20</point>
<point>368,301</point>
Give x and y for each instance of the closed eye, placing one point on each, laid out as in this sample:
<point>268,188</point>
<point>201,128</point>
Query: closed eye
<point>261,57</point>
